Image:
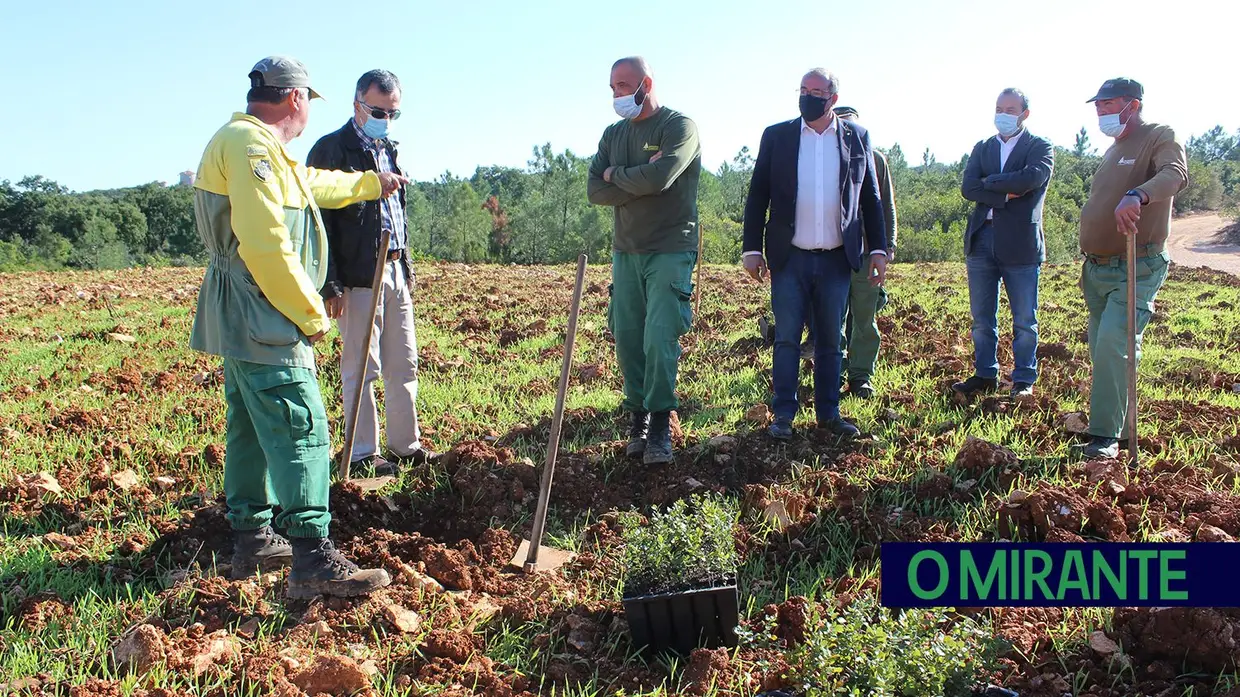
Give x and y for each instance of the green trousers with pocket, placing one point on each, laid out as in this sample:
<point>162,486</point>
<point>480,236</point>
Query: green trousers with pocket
<point>859,331</point>
<point>279,450</point>
<point>1106,296</point>
<point>649,310</point>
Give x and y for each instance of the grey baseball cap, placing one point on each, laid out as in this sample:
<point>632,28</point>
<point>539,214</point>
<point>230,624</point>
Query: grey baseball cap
<point>282,71</point>
<point>1118,87</point>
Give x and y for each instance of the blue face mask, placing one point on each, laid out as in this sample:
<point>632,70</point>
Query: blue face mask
<point>376,128</point>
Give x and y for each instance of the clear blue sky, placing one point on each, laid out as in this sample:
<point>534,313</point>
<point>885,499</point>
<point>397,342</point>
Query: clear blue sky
<point>100,95</point>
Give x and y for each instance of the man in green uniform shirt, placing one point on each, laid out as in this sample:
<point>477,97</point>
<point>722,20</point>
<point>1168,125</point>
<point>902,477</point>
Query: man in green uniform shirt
<point>257,211</point>
<point>647,168</point>
<point>1131,194</point>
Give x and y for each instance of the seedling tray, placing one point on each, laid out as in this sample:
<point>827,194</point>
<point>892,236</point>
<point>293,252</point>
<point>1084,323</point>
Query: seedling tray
<point>683,621</point>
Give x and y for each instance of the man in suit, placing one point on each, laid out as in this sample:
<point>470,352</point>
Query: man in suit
<point>1007,176</point>
<point>815,175</point>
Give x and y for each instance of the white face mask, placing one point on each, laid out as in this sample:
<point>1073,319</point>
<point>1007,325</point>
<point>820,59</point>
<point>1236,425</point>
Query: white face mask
<point>1110,124</point>
<point>1007,124</point>
<point>627,106</point>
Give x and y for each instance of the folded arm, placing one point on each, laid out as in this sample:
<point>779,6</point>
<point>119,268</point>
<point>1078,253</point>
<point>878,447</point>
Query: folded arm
<point>598,191</point>
<point>972,187</point>
<point>679,148</point>
<point>1033,175</point>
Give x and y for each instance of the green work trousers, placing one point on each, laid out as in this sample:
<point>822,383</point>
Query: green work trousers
<point>859,332</point>
<point>648,312</point>
<point>278,448</point>
<point>1106,295</point>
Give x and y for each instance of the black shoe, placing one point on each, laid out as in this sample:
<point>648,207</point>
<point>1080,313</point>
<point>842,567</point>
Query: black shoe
<point>976,385</point>
<point>766,330</point>
<point>840,428</point>
<point>1022,389</point>
<point>374,466</point>
<point>780,429</point>
<point>261,551</point>
<point>421,456</point>
<point>659,439</point>
<point>638,432</point>
<point>1099,448</point>
<point>807,350</point>
<point>861,389</point>
<point>320,569</point>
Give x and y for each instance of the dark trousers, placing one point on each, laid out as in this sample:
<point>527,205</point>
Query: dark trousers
<point>812,286</point>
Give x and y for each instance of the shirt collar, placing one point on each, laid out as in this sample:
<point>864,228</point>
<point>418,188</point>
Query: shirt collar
<point>367,141</point>
<point>830,129</point>
<point>1011,142</point>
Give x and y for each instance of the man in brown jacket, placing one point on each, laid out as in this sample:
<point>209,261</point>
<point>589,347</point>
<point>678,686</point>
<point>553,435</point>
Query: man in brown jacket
<point>1131,194</point>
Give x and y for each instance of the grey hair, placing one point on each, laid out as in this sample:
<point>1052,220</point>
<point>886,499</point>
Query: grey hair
<point>266,94</point>
<point>636,63</point>
<point>382,79</point>
<point>1024,101</point>
<point>833,82</point>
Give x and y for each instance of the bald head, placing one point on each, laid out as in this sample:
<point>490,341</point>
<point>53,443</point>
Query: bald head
<point>636,64</point>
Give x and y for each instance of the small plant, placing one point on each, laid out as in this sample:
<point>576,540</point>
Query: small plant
<point>689,546</point>
<point>864,649</point>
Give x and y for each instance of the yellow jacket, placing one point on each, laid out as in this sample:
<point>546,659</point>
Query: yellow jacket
<point>257,211</point>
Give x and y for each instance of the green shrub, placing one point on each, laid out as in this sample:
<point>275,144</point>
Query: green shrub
<point>691,545</point>
<point>865,649</point>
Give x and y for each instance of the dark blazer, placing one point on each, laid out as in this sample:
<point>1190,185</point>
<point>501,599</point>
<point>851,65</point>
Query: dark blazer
<point>353,231</point>
<point>774,188</point>
<point>1018,222</point>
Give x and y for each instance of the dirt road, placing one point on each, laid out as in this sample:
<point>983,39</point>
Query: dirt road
<point>1195,241</point>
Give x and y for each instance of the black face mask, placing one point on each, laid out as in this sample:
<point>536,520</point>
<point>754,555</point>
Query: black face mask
<point>812,108</point>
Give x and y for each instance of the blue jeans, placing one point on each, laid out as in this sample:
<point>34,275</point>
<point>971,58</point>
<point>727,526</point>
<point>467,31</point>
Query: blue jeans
<point>1021,283</point>
<point>812,286</point>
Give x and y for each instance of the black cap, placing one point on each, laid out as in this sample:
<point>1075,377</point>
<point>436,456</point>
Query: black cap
<point>845,111</point>
<point>1118,87</point>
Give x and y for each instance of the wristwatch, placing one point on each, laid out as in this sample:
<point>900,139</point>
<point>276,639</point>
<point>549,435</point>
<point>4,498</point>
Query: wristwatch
<point>1137,193</point>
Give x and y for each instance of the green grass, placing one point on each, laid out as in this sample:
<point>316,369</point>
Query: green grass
<point>54,349</point>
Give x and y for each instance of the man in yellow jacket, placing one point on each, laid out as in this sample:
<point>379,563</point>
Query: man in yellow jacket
<point>257,210</point>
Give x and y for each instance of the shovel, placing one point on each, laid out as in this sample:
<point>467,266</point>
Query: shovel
<point>376,287</point>
<point>1132,351</point>
<point>531,555</point>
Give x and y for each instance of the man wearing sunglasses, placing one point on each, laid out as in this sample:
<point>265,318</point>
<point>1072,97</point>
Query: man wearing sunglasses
<point>365,144</point>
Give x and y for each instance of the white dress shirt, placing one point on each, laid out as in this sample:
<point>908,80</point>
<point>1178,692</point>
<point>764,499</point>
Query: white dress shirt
<point>819,221</point>
<point>1005,149</point>
<point>818,214</point>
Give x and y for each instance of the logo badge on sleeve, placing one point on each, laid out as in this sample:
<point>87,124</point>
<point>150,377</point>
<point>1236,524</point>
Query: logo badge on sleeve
<point>262,170</point>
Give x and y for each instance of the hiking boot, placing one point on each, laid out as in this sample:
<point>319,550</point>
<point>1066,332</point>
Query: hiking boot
<point>637,434</point>
<point>976,385</point>
<point>1022,389</point>
<point>780,429</point>
<point>766,330</point>
<point>659,441</point>
<point>861,389</point>
<point>374,466</point>
<point>320,569</point>
<point>840,428</point>
<point>261,551</point>
<point>1099,448</point>
<point>807,351</point>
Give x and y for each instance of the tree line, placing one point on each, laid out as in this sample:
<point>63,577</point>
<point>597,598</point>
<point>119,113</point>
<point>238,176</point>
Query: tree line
<point>538,214</point>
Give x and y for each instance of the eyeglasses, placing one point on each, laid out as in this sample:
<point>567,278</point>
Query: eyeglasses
<point>380,113</point>
<point>821,94</point>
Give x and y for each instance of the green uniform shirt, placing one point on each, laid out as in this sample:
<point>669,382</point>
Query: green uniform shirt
<point>655,203</point>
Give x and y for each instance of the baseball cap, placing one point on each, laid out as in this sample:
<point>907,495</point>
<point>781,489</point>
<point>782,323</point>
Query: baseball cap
<point>281,71</point>
<point>846,111</point>
<point>1118,87</point>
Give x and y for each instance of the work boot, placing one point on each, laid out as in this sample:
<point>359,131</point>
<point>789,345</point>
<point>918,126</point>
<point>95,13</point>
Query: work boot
<point>421,456</point>
<point>861,389</point>
<point>766,330</point>
<point>1100,448</point>
<point>780,429</point>
<point>637,434</point>
<point>659,440</point>
<point>807,351</point>
<point>320,569</point>
<point>976,385</point>
<point>260,551</point>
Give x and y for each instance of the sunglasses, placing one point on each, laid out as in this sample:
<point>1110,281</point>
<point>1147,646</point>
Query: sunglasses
<point>379,113</point>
